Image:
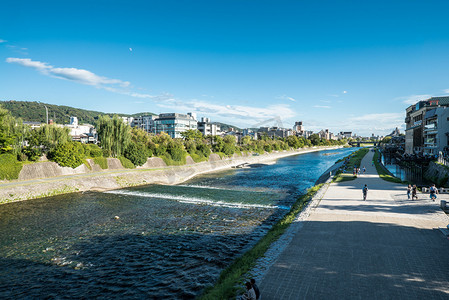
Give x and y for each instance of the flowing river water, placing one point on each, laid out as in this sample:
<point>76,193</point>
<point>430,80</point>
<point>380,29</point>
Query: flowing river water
<point>154,242</point>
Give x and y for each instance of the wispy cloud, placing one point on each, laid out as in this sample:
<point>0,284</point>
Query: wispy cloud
<point>285,97</point>
<point>236,114</point>
<point>380,123</point>
<point>72,74</point>
<point>3,41</point>
<point>412,99</point>
<point>322,106</point>
<point>345,92</point>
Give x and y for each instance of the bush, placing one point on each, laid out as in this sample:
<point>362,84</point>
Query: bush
<point>9,167</point>
<point>136,153</point>
<point>93,150</point>
<point>126,163</point>
<point>101,161</point>
<point>33,154</point>
<point>69,154</point>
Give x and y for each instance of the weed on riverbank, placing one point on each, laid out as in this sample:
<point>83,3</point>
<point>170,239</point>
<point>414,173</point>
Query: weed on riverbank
<point>225,287</point>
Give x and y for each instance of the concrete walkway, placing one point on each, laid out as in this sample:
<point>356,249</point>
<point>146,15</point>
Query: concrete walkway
<point>386,247</point>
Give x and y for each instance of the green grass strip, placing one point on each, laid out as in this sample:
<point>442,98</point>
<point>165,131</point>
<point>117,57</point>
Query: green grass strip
<point>355,159</point>
<point>225,287</point>
<point>383,172</point>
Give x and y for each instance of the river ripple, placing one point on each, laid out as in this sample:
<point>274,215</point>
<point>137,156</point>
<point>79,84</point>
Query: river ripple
<point>151,242</point>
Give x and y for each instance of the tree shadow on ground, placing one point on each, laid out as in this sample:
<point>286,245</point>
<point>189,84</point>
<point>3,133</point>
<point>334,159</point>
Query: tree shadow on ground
<point>361,260</point>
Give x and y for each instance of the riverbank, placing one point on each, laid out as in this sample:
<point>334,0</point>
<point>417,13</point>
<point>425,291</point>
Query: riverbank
<point>18,190</point>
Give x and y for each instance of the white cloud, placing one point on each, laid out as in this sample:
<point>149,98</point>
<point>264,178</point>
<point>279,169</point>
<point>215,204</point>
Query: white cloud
<point>345,92</point>
<point>322,106</point>
<point>412,99</point>
<point>235,114</point>
<point>131,49</point>
<point>285,97</point>
<point>3,41</point>
<point>77,75</point>
<point>365,125</point>
<point>26,62</point>
<point>446,91</point>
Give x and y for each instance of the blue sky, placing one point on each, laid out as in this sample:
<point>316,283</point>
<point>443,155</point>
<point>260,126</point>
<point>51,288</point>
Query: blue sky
<point>341,65</point>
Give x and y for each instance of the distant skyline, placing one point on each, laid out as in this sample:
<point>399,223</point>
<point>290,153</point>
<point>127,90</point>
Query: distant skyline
<point>337,65</point>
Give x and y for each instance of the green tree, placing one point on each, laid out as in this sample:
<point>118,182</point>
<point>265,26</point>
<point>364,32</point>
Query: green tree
<point>314,139</point>
<point>136,153</point>
<point>114,134</point>
<point>70,154</point>
<point>192,135</point>
<point>48,136</point>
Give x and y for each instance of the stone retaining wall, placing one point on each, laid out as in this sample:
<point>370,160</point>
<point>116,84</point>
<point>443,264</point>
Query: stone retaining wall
<point>154,171</point>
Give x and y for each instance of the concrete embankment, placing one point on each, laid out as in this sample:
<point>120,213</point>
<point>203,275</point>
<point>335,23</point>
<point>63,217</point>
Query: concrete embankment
<point>48,179</point>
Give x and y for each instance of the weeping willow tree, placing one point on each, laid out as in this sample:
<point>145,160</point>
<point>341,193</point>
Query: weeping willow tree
<point>114,134</point>
<point>12,132</point>
<point>49,136</point>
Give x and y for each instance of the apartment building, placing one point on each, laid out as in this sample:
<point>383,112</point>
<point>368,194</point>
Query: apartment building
<point>427,126</point>
<point>174,124</point>
<point>208,128</point>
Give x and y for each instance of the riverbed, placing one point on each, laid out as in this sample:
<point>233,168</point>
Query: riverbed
<point>152,241</point>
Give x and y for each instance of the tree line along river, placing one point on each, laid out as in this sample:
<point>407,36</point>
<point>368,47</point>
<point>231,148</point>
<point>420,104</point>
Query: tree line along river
<point>154,241</point>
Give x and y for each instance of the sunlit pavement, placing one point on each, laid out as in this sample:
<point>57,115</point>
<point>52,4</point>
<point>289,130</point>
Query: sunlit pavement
<point>386,247</point>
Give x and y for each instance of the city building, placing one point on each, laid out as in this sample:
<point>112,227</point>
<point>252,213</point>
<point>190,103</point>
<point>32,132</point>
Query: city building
<point>144,122</point>
<point>208,128</point>
<point>298,128</point>
<point>274,132</point>
<point>85,133</point>
<point>427,126</point>
<point>173,124</point>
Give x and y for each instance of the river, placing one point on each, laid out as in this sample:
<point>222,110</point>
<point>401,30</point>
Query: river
<point>156,242</point>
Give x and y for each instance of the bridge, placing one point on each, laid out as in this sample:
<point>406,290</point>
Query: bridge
<point>357,143</point>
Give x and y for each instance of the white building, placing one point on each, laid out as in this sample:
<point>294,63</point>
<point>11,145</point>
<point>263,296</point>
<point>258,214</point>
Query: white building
<point>208,128</point>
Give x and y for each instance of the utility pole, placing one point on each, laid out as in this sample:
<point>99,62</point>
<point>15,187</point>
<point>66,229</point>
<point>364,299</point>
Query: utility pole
<point>46,109</point>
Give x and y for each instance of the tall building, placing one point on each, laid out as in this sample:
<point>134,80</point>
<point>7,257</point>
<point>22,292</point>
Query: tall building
<point>274,132</point>
<point>427,126</point>
<point>298,128</point>
<point>173,124</point>
<point>144,122</point>
<point>208,128</point>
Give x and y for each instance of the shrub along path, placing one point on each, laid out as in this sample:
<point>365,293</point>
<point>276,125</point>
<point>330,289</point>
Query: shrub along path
<point>386,247</point>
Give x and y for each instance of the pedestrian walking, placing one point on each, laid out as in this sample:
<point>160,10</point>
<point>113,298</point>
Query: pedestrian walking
<point>433,192</point>
<point>365,192</point>
<point>250,294</point>
<point>409,191</point>
<point>355,171</point>
<point>414,192</point>
<point>364,170</point>
<point>256,288</point>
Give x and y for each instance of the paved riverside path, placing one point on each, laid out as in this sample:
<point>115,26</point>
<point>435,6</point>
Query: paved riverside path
<point>386,247</point>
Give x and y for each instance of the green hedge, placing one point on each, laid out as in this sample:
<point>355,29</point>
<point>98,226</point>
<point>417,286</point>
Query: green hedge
<point>126,163</point>
<point>9,166</point>
<point>101,161</point>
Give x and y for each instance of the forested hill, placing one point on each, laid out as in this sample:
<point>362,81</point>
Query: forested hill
<point>35,112</point>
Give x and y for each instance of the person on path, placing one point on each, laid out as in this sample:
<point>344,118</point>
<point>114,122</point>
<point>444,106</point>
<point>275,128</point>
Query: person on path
<point>364,170</point>
<point>250,294</point>
<point>433,192</point>
<point>409,191</point>
<point>256,288</point>
<point>355,171</point>
<point>414,192</point>
<point>365,192</point>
